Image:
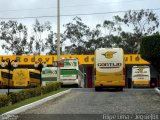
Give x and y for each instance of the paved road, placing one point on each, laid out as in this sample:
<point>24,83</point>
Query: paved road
<point>87,101</point>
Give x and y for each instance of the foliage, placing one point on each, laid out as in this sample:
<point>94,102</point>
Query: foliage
<point>141,23</point>
<point>49,87</point>
<point>28,93</point>
<point>136,24</point>
<point>4,100</point>
<point>98,38</point>
<point>122,31</point>
<point>62,39</point>
<point>14,35</point>
<point>77,32</point>
<point>50,44</point>
<point>38,41</point>
<point>149,50</point>
<point>16,40</point>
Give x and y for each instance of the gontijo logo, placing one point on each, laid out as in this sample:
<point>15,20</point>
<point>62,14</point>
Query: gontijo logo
<point>109,65</point>
<point>140,70</point>
<point>109,54</point>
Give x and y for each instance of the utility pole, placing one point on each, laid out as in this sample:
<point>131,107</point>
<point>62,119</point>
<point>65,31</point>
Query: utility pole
<point>58,38</point>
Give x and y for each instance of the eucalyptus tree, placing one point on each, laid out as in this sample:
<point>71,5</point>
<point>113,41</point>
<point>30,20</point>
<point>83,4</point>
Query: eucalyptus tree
<point>140,23</point>
<point>77,32</point>
<point>13,36</point>
<point>42,38</point>
<point>150,50</point>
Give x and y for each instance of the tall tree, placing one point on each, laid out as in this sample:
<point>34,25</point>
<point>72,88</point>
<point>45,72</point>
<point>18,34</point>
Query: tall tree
<point>95,40</point>
<point>50,44</point>
<point>38,38</point>
<point>103,38</point>
<point>77,32</point>
<point>111,27</point>
<point>150,50</point>
<point>14,35</point>
<point>140,23</point>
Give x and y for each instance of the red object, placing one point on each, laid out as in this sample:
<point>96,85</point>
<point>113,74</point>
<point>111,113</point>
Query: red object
<point>153,84</point>
<point>60,64</point>
<point>89,77</point>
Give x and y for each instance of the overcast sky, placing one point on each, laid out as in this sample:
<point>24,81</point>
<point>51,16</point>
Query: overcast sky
<point>34,8</point>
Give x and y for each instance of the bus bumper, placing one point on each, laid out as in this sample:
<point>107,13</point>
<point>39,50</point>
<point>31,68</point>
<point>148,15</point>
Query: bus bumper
<point>70,82</point>
<point>109,83</point>
<point>140,83</point>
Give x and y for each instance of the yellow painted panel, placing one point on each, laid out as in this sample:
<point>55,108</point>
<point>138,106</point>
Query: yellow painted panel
<point>134,59</point>
<point>141,82</point>
<point>83,59</point>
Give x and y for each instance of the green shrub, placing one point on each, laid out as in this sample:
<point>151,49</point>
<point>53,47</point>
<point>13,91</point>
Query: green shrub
<point>15,97</point>
<point>4,100</point>
<point>50,87</point>
<point>37,91</point>
<point>32,92</point>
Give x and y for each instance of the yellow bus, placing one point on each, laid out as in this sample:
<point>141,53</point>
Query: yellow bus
<point>26,78</point>
<point>4,76</point>
<point>109,68</point>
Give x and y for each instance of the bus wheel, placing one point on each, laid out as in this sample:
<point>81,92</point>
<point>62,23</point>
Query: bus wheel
<point>97,88</point>
<point>79,86</point>
<point>76,86</point>
<point>121,89</point>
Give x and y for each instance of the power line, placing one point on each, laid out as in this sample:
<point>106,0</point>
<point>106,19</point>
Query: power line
<point>104,3</point>
<point>80,5</point>
<point>80,14</point>
<point>15,10</point>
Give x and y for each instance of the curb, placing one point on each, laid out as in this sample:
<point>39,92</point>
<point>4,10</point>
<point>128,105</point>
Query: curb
<point>34,104</point>
<point>157,90</point>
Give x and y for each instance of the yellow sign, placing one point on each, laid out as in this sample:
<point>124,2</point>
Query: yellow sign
<point>134,59</point>
<point>109,54</point>
<point>83,59</point>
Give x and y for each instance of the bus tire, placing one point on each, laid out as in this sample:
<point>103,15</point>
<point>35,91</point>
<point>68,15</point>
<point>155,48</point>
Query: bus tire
<point>97,88</point>
<point>76,86</point>
<point>79,86</point>
<point>121,89</point>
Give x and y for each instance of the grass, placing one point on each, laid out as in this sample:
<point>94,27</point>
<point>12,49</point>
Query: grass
<point>27,101</point>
